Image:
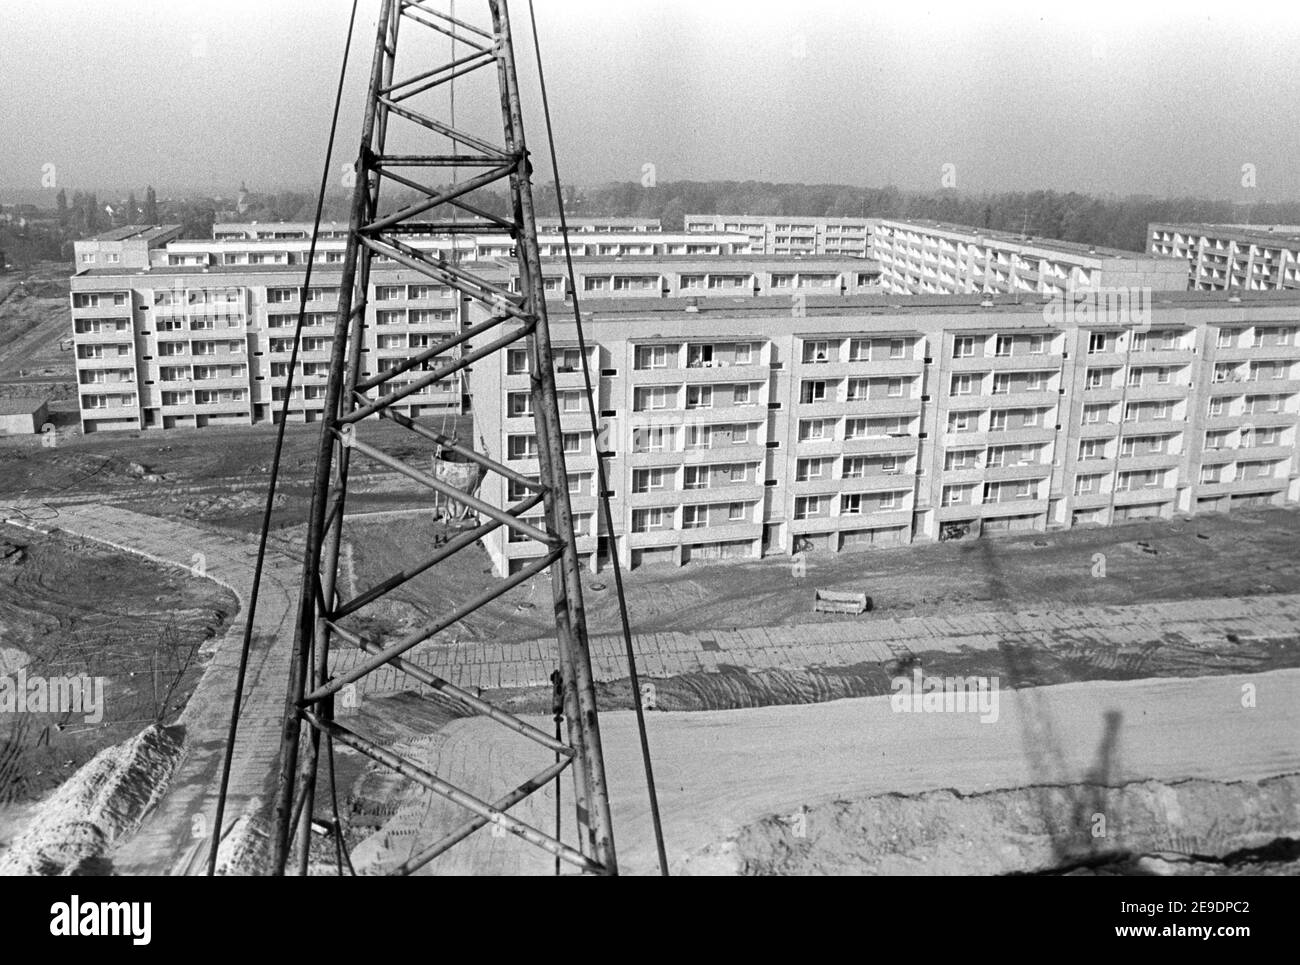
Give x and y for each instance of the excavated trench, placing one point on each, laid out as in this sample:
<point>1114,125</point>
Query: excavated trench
<point>1192,827</point>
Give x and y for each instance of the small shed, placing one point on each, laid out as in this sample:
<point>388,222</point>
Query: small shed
<point>22,416</point>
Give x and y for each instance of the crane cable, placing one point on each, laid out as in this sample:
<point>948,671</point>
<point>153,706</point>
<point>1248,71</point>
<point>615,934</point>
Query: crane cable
<point>633,677</point>
<point>270,495</point>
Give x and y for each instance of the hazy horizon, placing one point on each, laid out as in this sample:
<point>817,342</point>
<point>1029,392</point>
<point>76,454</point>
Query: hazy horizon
<point>1161,101</point>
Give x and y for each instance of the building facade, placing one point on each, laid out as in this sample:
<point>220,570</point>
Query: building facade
<point>789,235</point>
<point>201,334</point>
<point>929,258</point>
<point>745,430</point>
<point>1231,257</point>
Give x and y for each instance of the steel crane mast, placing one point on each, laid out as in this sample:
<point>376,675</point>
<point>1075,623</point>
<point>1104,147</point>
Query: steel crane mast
<point>325,617</point>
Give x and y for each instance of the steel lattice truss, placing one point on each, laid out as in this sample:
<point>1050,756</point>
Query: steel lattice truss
<point>323,618</point>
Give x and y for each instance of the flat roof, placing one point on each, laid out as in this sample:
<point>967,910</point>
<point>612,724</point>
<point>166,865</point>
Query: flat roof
<point>739,258</point>
<point>22,405</point>
<point>893,304</point>
<point>1011,238</point>
<point>143,232</point>
<point>1261,234</point>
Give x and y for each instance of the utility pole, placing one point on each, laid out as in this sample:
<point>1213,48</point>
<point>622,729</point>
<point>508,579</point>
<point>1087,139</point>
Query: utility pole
<point>353,396</point>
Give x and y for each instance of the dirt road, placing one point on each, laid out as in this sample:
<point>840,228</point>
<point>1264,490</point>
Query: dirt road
<point>720,772</point>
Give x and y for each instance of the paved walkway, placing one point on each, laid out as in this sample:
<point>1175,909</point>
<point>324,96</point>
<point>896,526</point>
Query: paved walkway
<point>855,640</point>
<point>174,837</point>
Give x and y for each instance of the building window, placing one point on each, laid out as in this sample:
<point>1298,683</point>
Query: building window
<point>807,507</point>
<point>807,469</point>
<point>815,352</point>
<point>695,477</point>
<point>812,391</point>
<point>645,480</point>
<point>812,430</point>
<point>648,519</point>
<point>962,421</point>
<point>699,397</point>
<point>699,356</point>
<point>963,347</point>
<point>517,361</point>
<point>652,357</point>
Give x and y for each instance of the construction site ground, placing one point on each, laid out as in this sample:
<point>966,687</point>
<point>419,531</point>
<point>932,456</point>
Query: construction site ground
<point>746,677</point>
<point>75,607</point>
<point>36,338</point>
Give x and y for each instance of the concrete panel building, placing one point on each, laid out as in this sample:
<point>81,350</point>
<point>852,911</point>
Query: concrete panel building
<point>1231,257</point>
<point>927,257</point>
<point>203,334</point>
<point>748,429</point>
<point>129,247</point>
<point>790,235</point>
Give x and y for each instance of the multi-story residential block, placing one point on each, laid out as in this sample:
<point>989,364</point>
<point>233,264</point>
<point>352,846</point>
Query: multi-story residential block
<point>600,225</point>
<point>1231,257</point>
<point>926,257</point>
<point>790,235</point>
<point>200,333</point>
<point>287,230</point>
<point>750,429</point>
<point>178,347</point>
<point>130,247</point>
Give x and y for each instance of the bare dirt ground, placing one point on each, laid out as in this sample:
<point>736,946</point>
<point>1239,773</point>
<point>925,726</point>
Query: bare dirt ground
<point>218,475</point>
<point>35,329</point>
<point>1209,556</point>
<point>72,607</point>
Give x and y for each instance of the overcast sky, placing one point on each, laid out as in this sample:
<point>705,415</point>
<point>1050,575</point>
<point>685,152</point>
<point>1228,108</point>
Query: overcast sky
<point>1126,98</point>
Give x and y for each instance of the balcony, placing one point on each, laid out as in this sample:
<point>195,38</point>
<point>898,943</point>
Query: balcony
<point>1260,354</point>
<point>1241,486</point>
<point>900,445</point>
<point>1090,500</point>
<point>721,493</point>
<point>884,407</point>
<point>124,336</point>
<point>1154,427</point>
<point>105,309</point>
<point>1144,495</point>
<point>1020,435</point>
<point>846,368</point>
<point>1022,363</point>
<point>107,362</point>
<point>1098,430</point>
<point>1013,507</point>
<point>1041,399</point>
<point>723,453</point>
<point>1166,357</point>
<point>1150,460</point>
<point>1169,392</point>
<point>1030,470</point>
<point>707,375</point>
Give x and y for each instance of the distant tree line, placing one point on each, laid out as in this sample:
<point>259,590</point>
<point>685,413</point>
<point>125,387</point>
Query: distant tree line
<point>1110,221</point>
<point>1107,221</point>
